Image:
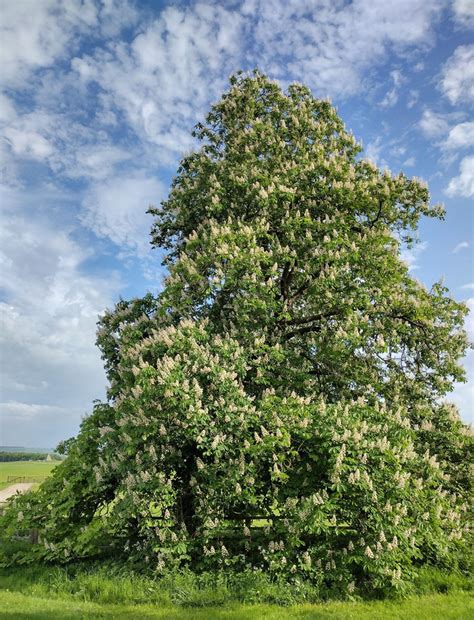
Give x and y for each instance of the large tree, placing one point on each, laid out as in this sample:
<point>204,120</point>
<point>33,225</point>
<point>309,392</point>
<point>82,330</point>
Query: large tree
<point>280,403</point>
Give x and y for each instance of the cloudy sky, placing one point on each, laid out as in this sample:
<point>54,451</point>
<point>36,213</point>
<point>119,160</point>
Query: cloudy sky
<point>98,101</point>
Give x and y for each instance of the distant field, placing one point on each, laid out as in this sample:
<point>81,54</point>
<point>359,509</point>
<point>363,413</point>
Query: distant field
<point>24,468</point>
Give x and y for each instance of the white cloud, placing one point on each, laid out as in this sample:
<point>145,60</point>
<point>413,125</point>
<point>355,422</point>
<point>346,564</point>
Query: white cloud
<point>7,109</point>
<point>409,163</point>
<point>463,394</point>
<point>98,161</point>
<point>451,139</point>
<point>457,82</point>
<point>28,144</point>
<point>373,150</point>
<point>399,150</point>
<point>469,286</point>
<point>116,208</point>
<point>463,184</point>
<point>413,97</point>
<point>433,125</point>
<point>116,15</point>
<point>160,81</point>
<point>391,96</point>
<point>49,314</point>
<point>36,34</point>
<point>27,410</point>
<point>333,43</point>
<point>68,147</point>
<point>163,81</point>
<point>411,255</point>
<point>464,12</point>
<point>165,78</point>
<point>460,246</point>
<point>461,136</point>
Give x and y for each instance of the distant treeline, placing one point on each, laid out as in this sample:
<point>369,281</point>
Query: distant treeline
<point>27,456</point>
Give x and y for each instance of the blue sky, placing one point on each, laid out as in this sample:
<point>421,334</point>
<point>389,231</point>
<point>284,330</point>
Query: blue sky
<point>98,101</point>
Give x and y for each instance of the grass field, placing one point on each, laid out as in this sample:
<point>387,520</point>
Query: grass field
<point>432,607</point>
<point>24,468</point>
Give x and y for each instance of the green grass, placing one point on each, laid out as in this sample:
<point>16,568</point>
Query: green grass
<point>115,591</point>
<point>429,607</point>
<point>24,468</point>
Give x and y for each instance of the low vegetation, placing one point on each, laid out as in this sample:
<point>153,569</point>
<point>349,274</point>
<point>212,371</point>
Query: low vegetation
<point>110,590</point>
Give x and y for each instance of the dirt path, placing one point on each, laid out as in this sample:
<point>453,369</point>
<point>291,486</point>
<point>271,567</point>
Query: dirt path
<point>9,491</point>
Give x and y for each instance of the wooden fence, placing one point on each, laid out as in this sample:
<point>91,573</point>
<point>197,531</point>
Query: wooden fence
<point>17,479</point>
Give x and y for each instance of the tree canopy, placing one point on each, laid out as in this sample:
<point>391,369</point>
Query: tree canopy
<point>280,404</point>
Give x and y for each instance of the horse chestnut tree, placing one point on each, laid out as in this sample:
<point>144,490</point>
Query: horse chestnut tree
<point>280,404</point>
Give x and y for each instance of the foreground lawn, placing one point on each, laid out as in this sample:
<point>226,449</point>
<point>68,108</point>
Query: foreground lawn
<point>25,468</point>
<point>437,606</point>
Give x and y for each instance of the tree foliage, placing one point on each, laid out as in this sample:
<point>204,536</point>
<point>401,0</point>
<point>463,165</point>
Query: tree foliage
<point>280,403</point>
